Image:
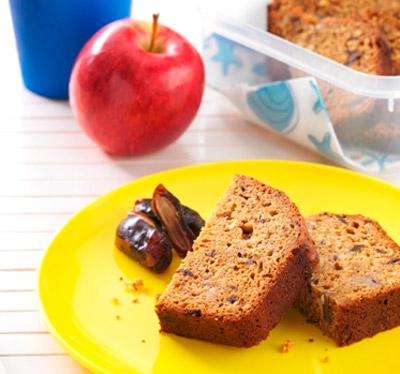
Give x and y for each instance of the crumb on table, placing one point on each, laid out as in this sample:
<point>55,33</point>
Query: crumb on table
<point>286,346</point>
<point>115,301</point>
<point>326,359</point>
<point>135,300</point>
<point>311,340</point>
<point>117,318</point>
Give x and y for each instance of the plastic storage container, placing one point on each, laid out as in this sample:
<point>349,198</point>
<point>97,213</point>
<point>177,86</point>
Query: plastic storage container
<point>287,89</point>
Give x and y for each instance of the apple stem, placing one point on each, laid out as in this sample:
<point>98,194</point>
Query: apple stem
<point>154,33</point>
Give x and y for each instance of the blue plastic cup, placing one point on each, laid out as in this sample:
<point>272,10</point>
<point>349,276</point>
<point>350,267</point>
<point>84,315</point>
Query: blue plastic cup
<point>50,34</point>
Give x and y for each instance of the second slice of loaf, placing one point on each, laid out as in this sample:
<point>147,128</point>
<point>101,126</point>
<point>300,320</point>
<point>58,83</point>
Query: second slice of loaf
<point>355,289</point>
<point>245,270</point>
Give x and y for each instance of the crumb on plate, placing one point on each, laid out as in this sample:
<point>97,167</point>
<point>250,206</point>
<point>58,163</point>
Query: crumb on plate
<point>137,283</point>
<point>135,286</point>
<point>286,346</point>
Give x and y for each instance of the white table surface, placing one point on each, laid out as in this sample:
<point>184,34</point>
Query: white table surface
<point>49,169</point>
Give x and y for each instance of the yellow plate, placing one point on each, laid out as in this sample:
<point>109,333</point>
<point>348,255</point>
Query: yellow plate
<point>81,291</point>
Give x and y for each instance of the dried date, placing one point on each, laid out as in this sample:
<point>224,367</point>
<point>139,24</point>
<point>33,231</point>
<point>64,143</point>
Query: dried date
<point>169,210</point>
<point>155,226</point>
<point>140,238</point>
<point>191,217</point>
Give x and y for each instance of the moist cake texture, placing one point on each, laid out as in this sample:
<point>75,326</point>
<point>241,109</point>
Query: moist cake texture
<point>352,41</point>
<point>247,266</point>
<point>354,292</point>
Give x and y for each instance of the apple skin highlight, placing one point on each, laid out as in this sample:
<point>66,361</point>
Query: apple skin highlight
<point>131,101</point>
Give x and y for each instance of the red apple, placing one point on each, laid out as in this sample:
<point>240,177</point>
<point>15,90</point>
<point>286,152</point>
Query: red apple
<point>136,86</point>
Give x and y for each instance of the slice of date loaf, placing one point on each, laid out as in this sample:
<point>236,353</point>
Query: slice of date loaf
<point>380,13</point>
<point>354,292</point>
<point>247,265</point>
<point>329,8</point>
<point>352,41</point>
